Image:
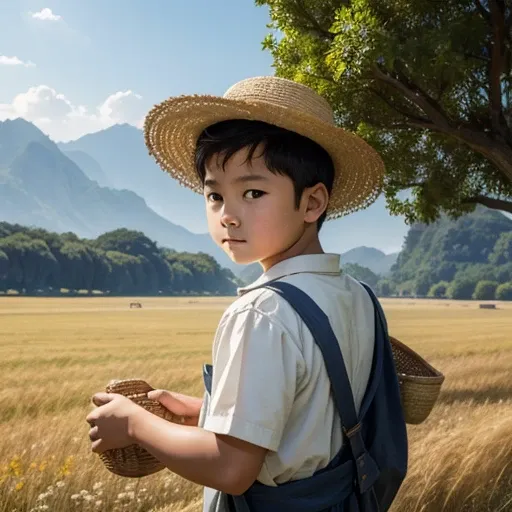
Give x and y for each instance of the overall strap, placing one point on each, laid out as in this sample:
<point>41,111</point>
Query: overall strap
<point>318,324</point>
<point>367,471</point>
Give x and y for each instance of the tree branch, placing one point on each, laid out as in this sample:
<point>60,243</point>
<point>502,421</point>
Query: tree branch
<point>414,93</point>
<point>499,152</point>
<point>314,25</point>
<point>497,52</point>
<point>483,11</point>
<point>404,186</point>
<point>387,101</point>
<point>490,202</point>
<point>483,58</point>
<point>418,124</point>
<point>320,77</point>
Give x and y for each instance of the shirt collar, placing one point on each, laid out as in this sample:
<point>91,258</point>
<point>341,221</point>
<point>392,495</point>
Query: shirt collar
<point>311,263</point>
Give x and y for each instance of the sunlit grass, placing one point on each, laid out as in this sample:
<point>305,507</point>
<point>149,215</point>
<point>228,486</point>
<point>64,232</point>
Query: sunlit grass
<point>55,353</point>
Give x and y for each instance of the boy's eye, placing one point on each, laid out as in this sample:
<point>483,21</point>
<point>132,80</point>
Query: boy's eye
<point>254,194</point>
<point>213,196</point>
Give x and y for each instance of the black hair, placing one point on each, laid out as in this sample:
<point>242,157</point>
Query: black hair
<point>285,152</point>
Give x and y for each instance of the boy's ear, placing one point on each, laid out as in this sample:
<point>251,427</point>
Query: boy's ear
<point>316,199</point>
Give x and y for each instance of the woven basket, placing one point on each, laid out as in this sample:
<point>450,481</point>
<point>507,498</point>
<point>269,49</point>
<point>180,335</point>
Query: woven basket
<point>134,461</point>
<point>420,383</point>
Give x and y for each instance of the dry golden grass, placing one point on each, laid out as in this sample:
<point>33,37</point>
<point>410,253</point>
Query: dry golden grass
<point>55,353</point>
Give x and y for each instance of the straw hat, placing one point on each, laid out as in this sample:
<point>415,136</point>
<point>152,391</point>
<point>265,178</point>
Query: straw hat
<point>171,130</point>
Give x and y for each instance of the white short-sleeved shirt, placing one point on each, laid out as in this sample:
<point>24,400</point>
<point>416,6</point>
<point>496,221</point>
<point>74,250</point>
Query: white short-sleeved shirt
<point>270,386</point>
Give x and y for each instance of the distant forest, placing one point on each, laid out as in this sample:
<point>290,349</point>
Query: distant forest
<point>467,258</point>
<point>120,262</point>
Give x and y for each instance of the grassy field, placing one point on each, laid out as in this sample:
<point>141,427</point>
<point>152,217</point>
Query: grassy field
<point>56,353</point>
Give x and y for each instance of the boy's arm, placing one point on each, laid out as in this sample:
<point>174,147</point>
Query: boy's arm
<point>218,461</point>
<point>188,407</point>
<point>253,390</point>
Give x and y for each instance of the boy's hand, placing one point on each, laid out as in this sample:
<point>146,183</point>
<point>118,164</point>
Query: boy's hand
<point>187,408</point>
<point>111,421</point>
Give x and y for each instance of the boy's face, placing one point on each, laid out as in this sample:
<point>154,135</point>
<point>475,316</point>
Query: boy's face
<point>251,211</point>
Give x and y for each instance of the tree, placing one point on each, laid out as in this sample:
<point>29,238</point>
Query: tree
<point>504,292</point>
<point>502,252</point>
<point>361,274</point>
<point>77,266</point>
<point>476,273</point>
<point>422,283</point>
<point>428,84</point>
<point>137,244</point>
<point>485,290</point>
<point>4,270</point>
<point>439,290</point>
<point>31,263</point>
<point>504,273</point>
<point>4,264</point>
<point>385,288</point>
<point>461,289</point>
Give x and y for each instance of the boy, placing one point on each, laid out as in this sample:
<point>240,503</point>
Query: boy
<point>272,167</point>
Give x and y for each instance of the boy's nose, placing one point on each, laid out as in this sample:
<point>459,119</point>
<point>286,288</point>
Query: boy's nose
<point>229,219</point>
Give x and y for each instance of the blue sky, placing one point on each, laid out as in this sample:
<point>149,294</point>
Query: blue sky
<point>74,67</point>
<point>86,52</point>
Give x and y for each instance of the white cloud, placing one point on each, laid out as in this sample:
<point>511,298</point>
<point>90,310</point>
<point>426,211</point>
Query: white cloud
<point>42,101</point>
<point>45,14</point>
<point>15,61</point>
<point>123,107</point>
<point>62,120</point>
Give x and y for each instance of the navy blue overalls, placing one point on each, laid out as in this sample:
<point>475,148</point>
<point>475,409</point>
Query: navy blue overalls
<point>332,489</point>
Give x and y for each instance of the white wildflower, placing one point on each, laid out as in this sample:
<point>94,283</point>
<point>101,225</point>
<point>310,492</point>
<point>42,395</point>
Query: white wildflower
<point>97,485</point>
<point>130,495</point>
<point>98,503</point>
<point>60,484</point>
<point>75,496</point>
<point>83,492</point>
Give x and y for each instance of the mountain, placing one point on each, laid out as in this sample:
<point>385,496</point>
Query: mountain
<point>90,166</point>
<point>122,155</point>
<point>41,186</point>
<point>473,248</point>
<point>14,138</point>
<point>374,259</point>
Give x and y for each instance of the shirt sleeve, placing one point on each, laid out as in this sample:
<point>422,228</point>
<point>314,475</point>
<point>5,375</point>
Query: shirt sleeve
<point>255,363</point>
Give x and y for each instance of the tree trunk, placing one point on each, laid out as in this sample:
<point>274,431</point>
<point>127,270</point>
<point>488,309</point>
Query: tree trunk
<point>489,202</point>
<point>499,154</point>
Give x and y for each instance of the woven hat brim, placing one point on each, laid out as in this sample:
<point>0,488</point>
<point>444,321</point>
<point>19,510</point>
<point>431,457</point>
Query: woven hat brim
<point>171,130</point>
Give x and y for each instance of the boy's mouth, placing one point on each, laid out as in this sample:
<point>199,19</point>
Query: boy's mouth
<point>233,240</point>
